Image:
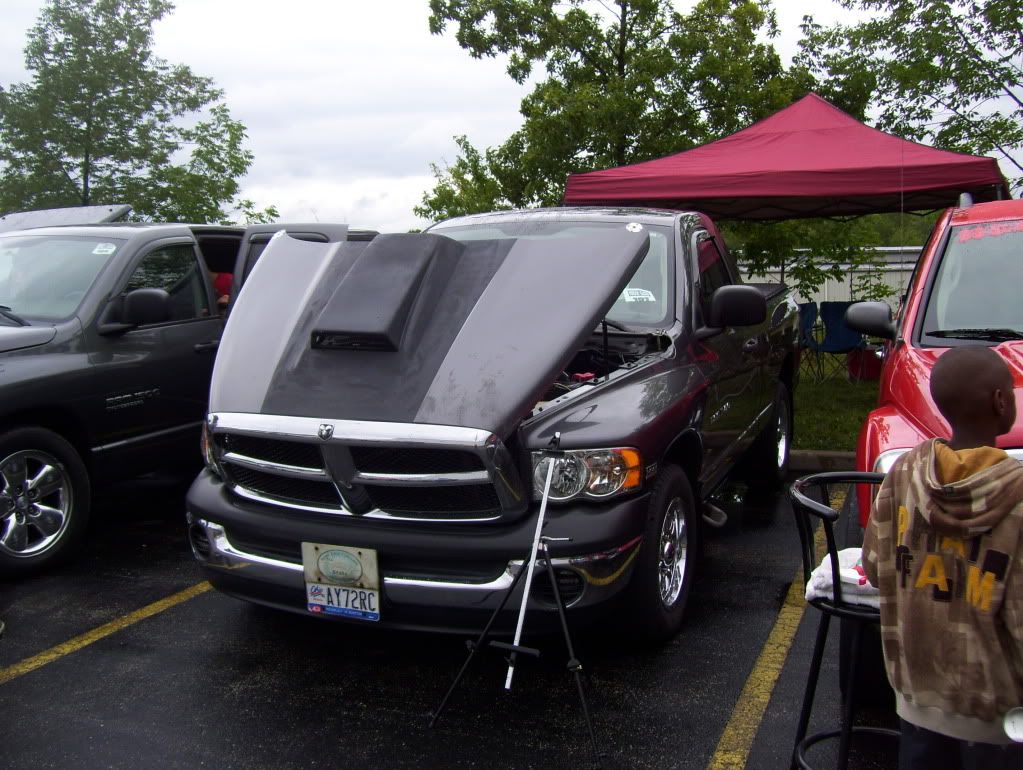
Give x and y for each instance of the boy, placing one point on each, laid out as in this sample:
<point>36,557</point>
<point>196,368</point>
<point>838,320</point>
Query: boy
<point>944,547</point>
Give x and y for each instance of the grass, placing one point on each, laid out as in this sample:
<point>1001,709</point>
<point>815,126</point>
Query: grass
<point>828,415</point>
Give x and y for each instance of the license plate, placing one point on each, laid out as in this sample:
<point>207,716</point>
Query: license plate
<point>341,580</point>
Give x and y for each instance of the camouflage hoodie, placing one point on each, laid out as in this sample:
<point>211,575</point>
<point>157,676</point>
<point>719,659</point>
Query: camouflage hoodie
<point>948,560</point>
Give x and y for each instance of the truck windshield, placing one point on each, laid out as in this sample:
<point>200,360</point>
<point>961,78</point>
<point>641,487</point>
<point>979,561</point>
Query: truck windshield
<point>645,301</point>
<point>975,295</point>
<point>46,276</point>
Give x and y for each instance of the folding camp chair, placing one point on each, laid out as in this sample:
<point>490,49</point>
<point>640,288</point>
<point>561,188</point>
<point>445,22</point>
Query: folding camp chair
<point>809,360</point>
<point>839,340</point>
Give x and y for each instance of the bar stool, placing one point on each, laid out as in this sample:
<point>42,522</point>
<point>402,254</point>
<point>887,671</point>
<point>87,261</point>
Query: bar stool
<point>806,509</point>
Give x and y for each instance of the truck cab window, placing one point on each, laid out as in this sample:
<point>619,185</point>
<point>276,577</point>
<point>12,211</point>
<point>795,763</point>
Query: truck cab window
<point>176,270</point>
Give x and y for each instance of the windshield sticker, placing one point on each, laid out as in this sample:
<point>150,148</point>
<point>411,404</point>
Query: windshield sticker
<point>104,249</point>
<point>634,227</point>
<point>989,230</point>
<point>638,295</point>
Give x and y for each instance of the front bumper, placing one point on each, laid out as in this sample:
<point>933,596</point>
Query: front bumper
<point>434,577</point>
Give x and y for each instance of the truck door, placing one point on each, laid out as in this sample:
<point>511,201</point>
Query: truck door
<point>160,373</point>
<point>733,364</point>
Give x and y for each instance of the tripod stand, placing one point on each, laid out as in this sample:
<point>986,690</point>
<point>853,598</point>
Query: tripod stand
<point>540,544</point>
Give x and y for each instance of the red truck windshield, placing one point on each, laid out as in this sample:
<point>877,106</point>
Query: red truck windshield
<point>975,295</point>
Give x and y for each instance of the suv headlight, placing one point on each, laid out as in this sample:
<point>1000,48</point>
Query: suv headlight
<point>588,473</point>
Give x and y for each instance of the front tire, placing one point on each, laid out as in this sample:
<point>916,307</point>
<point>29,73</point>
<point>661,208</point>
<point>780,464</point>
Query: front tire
<point>666,564</point>
<point>44,499</point>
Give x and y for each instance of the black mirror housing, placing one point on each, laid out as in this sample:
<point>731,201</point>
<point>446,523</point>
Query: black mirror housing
<point>145,306</point>
<point>737,306</point>
<point>871,318</point>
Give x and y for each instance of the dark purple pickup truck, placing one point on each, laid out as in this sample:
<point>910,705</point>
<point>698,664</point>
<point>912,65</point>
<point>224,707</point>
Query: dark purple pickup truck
<point>379,432</point>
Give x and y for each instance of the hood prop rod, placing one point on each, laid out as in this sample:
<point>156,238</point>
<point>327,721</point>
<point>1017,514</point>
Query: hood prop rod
<point>607,366</point>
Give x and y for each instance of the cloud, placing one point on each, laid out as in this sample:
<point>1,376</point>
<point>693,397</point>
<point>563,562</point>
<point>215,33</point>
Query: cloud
<point>346,104</point>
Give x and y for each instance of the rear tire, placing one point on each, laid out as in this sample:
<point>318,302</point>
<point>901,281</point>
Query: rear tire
<point>44,499</point>
<point>666,564</point>
<point>767,464</point>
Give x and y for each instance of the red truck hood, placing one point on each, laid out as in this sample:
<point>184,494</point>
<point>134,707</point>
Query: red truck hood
<point>913,390</point>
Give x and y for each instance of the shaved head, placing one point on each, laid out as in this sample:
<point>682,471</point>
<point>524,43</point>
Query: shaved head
<point>972,387</point>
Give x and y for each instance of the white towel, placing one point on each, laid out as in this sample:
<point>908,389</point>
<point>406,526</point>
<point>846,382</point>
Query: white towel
<point>856,589</point>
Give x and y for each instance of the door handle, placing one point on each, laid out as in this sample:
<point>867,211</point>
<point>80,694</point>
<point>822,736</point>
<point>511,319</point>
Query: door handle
<point>202,347</point>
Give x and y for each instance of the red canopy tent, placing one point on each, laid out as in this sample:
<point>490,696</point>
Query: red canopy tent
<point>807,160</point>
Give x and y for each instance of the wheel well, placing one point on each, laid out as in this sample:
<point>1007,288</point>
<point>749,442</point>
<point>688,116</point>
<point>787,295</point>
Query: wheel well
<point>788,370</point>
<point>61,421</point>
<point>687,453</point>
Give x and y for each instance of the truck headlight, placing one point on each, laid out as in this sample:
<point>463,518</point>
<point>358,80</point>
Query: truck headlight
<point>589,473</point>
<point>886,460</point>
<point>209,454</point>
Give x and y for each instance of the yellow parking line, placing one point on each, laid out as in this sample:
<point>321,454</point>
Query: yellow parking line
<point>735,742</point>
<point>84,640</point>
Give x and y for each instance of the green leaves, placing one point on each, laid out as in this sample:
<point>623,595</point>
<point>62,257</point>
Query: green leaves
<point>625,82</point>
<point>944,72</point>
<point>103,120</point>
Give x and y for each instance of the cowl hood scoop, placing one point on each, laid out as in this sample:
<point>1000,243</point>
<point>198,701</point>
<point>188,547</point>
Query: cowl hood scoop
<point>416,328</point>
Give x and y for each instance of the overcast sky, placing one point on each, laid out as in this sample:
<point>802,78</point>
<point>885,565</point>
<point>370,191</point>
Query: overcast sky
<point>346,103</point>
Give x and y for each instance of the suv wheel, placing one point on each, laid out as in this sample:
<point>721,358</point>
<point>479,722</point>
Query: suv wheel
<point>44,499</point>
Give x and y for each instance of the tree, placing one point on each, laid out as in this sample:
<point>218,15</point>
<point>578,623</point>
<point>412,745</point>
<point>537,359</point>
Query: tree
<point>626,81</point>
<point>943,72</point>
<point>103,120</point>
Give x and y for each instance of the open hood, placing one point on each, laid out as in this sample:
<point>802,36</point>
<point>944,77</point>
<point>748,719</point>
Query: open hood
<point>19,337</point>
<point>416,328</point>
<point>70,215</point>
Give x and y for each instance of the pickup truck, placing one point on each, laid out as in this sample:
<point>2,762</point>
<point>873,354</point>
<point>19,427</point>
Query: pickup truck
<point>378,438</point>
<point>963,291</point>
<point>107,340</point>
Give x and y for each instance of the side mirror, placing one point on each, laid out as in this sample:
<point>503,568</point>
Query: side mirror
<point>737,306</point>
<point>145,306</point>
<point>871,318</point>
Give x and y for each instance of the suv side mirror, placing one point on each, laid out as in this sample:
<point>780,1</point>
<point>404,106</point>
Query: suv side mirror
<point>736,306</point>
<point>871,318</point>
<point>145,306</point>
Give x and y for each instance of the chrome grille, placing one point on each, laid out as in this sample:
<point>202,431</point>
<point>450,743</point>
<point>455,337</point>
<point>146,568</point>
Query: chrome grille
<point>376,470</point>
<point>272,450</point>
<point>375,459</point>
<point>469,500</point>
<point>318,493</point>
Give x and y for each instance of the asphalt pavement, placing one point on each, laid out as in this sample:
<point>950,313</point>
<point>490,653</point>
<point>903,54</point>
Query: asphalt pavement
<point>204,680</point>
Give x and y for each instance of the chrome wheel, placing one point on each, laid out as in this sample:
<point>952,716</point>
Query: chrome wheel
<point>671,564</point>
<point>35,502</point>
<point>782,437</point>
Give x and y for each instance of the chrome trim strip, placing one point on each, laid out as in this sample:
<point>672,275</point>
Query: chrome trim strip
<point>376,513</point>
<point>423,479</point>
<point>279,469</point>
<point>357,432</point>
<point>220,544</point>
<point>148,436</point>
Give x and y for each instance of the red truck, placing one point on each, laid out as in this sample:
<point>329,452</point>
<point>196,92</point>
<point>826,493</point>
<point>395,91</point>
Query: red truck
<point>965,290</point>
